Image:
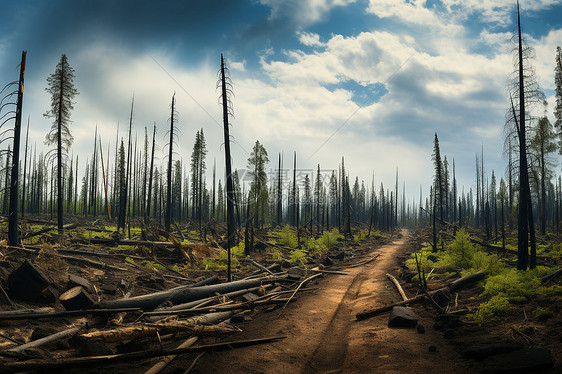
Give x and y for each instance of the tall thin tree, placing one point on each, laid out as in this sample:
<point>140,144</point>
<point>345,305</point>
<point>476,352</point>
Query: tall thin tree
<point>62,91</point>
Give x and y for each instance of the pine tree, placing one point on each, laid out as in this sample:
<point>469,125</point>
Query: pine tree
<point>558,95</point>
<point>542,146</point>
<point>258,190</point>
<point>62,91</point>
<point>438,178</point>
<point>176,191</point>
<point>198,167</point>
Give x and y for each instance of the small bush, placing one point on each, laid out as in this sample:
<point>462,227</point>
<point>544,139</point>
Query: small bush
<point>329,239</point>
<point>462,250</point>
<point>222,262</point>
<point>488,310</point>
<point>298,256</point>
<point>277,256</point>
<point>362,235</point>
<point>287,237</point>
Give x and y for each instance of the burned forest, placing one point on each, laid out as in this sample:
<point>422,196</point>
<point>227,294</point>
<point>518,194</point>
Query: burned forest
<point>204,228</point>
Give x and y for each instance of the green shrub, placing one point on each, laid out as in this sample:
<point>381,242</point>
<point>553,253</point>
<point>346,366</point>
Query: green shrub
<point>462,250</point>
<point>277,256</point>
<point>298,256</point>
<point>222,262</point>
<point>287,237</point>
<point>488,310</point>
<point>311,246</point>
<point>329,239</point>
<point>361,235</point>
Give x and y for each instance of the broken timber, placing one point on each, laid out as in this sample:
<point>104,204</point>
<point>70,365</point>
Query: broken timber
<point>398,286</point>
<point>459,283</point>
<point>182,294</point>
<point>75,362</point>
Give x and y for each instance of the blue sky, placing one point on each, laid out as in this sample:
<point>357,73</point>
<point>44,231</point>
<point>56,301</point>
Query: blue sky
<point>377,78</point>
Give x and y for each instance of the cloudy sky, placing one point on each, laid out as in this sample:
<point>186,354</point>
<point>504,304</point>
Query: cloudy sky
<point>368,80</point>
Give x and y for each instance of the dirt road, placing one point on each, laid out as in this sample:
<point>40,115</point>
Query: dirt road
<point>324,337</point>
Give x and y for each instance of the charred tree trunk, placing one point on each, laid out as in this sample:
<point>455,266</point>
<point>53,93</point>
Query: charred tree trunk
<point>229,186</point>
<point>14,187</point>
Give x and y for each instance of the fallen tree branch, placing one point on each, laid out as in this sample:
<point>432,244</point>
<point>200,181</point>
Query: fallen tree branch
<point>299,286</point>
<point>160,365</point>
<point>75,362</point>
<point>398,286</point>
<point>47,339</point>
<point>31,314</point>
<point>259,266</point>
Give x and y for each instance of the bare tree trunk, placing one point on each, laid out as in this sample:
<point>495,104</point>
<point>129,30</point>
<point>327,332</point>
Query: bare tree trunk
<point>229,186</point>
<point>14,187</point>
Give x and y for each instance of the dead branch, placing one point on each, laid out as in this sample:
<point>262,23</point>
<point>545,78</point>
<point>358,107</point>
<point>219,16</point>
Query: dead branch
<point>48,339</point>
<point>398,286</point>
<point>151,329</point>
<point>36,314</point>
<point>164,361</point>
<point>75,362</point>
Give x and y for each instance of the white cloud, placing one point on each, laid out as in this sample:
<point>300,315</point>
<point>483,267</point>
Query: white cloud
<point>238,65</point>
<point>544,62</point>
<point>309,39</point>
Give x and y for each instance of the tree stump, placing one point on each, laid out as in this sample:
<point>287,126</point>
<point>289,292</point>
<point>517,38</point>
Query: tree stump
<point>76,299</point>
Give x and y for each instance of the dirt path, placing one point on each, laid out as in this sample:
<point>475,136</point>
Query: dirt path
<point>324,337</point>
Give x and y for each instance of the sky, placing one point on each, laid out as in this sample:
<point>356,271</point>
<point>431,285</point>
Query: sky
<point>368,80</point>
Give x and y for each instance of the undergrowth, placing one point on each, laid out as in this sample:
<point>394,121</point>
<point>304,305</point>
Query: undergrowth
<point>503,285</point>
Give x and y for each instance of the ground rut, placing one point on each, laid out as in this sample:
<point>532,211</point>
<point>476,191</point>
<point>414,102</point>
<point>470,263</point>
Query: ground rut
<point>330,353</point>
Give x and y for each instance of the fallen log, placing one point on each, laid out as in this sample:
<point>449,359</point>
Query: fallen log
<point>34,314</point>
<point>116,241</point>
<point>472,278</point>
<point>11,313</point>
<point>46,229</point>
<point>459,283</point>
<point>48,339</point>
<point>151,329</point>
<point>211,298</point>
<point>398,286</point>
<point>183,294</point>
<point>93,263</point>
<point>223,307</point>
<point>75,362</point>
